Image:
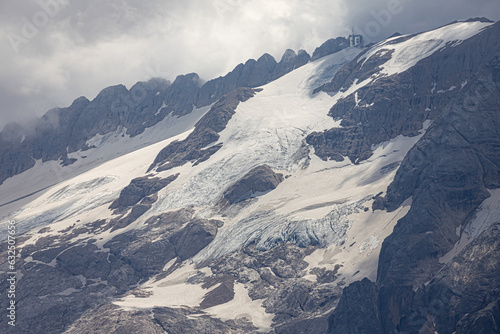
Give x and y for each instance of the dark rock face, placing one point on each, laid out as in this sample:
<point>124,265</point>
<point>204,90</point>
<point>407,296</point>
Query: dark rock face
<point>307,326</point>
<point>357,311</point>
<point>137,210</point>
<point>220,295</point>
<point>183,94</point>
<point>194,237</point>
<point>178,321</point>
<point>139,188</point>
<point>194,147</point>
<point>486,320</point>
<point>111,319</point>
<point>175,234</point>
<point>260,71</point>
<point>261,179</point>
<point>17,156</point>
<point>290,61</point>
<point>138,196</point>
<point>337,143</point>
<point>330,46</point>
<point>464,296</point>
<point>454,163</point>
<point>446,174</point>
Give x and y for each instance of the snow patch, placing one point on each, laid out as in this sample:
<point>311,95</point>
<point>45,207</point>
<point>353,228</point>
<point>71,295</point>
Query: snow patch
<point>242,306</point>
<point>372,244</point>
<point>159,109</point>
<point>171,291</point>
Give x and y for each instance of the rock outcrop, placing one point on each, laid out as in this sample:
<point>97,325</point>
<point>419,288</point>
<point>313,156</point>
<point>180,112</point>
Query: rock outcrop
<point>259,180</point>
<point>447,174</point>
<point>337,143</point>
<point>138,189</point>
<point>330,46</point>
<point>464,296</point>
<point>357,311</point>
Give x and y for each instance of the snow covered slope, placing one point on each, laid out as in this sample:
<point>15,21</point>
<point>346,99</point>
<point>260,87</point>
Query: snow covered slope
<point>186,255</point>
<point>19,190</point>
<point>407,50</point>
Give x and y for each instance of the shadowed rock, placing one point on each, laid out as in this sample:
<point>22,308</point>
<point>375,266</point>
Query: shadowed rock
<point>259,180</point>
<point>140,188</point>
<point>220,295</point>
<point>357,312</point>
<point>338,143</point>
<point>194,237</point>
<point>330,46</point>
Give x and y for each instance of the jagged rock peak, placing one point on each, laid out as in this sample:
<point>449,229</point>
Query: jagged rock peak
<point>330,46</point>
<point>187,79</point>
<point>396,34</point>
<point>153,84</point>
<point>479,19</point>
<point>267,58</point>
<point>288,55</point>
<point>112,91</point>
<point>302,53</point>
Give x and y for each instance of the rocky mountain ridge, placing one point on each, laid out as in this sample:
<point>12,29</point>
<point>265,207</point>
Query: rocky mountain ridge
<point>65,130</point>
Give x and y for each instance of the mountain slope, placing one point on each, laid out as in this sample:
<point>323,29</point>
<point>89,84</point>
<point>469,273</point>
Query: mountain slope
<point>341,197</point>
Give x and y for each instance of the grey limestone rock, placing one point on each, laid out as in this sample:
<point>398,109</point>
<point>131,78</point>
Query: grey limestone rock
<point>357,311</point>
<point>330,46</point>
<point>140,188</point>
<point>259,180</point>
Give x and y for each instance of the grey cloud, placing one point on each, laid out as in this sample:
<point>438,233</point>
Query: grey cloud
<point>88,45</point>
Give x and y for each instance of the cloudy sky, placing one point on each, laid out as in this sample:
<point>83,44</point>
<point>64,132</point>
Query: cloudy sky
<point>53,51</point>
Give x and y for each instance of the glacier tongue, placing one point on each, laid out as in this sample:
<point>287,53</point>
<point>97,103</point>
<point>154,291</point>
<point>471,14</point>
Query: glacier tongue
<point>268,129</point>
<point>267,230</point>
